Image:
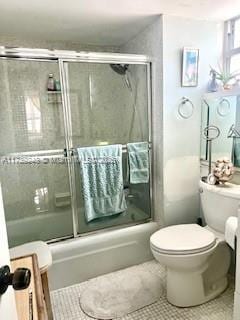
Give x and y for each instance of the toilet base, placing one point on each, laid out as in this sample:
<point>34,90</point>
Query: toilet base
<point>186,287</point>
<point>191,292</point>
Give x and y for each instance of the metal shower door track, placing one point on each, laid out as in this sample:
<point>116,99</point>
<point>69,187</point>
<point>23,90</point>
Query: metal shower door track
<point>74,56</point>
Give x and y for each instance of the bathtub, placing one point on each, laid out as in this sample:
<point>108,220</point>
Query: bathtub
<point>39,227</point>
<point>85,257</point>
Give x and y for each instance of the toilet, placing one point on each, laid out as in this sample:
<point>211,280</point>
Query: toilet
<point>197,258</point>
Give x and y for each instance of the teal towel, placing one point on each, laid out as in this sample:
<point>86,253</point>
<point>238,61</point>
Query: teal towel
<point>138,162</point>
<point>102,181</point>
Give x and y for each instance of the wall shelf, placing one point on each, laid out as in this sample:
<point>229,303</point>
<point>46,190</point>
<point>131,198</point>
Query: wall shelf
<point>54,96</point>
<point>222,93</point>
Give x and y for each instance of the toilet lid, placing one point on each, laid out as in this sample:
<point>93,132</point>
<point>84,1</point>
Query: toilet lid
<point>182,239</point>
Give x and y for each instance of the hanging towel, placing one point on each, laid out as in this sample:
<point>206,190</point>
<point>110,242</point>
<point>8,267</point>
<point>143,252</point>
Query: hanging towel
<point>138,162</point>
<point>102,181</point>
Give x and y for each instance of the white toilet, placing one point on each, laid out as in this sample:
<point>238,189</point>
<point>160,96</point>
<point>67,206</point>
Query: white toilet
<point>197,259</point>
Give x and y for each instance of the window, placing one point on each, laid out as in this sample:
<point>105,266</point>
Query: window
<point>41,200</point>
<point>33,115</point>
<point>232,45</point>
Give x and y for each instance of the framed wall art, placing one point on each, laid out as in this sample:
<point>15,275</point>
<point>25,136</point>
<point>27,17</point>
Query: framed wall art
<point>190,59</point>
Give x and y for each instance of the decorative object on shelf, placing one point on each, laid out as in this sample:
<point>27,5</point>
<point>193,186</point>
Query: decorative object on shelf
<point>223,170</point>
<point>50,83</point>
<point>211,179</point>
<point>213,85</point>
<point>190,60</point>
<point>224,107</point>
<point>53,85</point>
<point>226,78</point>
<point>185,108</point>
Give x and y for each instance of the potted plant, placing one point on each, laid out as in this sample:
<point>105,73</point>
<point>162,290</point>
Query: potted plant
<point>224,76</point>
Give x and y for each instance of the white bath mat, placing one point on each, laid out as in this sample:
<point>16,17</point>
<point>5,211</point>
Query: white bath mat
<point>119,293</point>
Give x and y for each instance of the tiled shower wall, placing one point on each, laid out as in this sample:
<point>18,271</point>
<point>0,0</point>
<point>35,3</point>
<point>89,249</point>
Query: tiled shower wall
<point>104,109</point>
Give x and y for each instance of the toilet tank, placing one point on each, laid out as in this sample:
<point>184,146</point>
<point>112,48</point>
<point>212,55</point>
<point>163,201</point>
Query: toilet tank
<point>218,203</point>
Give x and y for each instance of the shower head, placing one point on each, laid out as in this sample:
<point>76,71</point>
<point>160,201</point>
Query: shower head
<point>119,68</point>
<point>122,70</point>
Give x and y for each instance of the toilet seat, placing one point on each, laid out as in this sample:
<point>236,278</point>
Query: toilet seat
<point>182,239</point>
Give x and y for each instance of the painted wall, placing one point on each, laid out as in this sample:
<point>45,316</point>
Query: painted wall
<point>181,138</point>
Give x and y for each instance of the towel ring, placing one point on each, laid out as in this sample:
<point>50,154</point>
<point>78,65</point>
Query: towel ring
<point>181,111</point>
<point>214,130</point>
<point>223,108</point>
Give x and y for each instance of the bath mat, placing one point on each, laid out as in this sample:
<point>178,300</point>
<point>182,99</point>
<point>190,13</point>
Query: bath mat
<point>120,293</point>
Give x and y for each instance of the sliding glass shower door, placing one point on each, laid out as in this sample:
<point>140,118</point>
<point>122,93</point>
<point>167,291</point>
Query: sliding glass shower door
<point>99,103</point>
<point>33,173</point>
<point>108,104</point>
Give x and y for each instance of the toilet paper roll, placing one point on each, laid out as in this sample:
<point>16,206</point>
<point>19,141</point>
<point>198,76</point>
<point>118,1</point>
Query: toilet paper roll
<point>231,231</point>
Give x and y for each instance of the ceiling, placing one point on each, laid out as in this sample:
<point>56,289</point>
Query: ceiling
<point>108,22</point>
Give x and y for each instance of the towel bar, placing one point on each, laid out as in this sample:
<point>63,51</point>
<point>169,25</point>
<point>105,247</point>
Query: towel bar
<point>124,148</point>
<point>43,156</point>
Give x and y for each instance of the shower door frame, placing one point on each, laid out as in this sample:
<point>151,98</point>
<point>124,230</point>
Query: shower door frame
<point>63,57</point>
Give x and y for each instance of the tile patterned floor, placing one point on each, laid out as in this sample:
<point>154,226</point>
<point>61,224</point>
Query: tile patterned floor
<point>66,304</point>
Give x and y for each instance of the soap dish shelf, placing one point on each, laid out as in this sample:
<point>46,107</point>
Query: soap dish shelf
<point>54,97</point>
